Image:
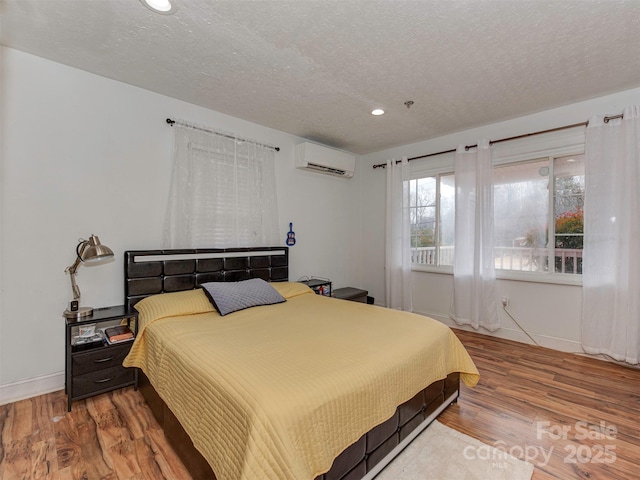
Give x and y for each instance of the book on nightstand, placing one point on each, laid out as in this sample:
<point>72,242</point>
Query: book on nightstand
<point>118,334</point>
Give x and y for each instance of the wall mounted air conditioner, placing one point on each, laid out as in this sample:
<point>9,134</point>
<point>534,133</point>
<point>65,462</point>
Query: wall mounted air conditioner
<point>317,158</point>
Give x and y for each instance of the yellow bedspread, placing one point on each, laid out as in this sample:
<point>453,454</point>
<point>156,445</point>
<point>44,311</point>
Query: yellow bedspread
<point>278,391</point>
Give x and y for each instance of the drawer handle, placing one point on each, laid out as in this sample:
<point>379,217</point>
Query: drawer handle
<point>102,360</point>
<point>105,380</point>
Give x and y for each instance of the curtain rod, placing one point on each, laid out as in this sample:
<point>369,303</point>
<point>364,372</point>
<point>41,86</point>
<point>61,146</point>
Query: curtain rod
<point>171,122</point>
<point>500,140</point>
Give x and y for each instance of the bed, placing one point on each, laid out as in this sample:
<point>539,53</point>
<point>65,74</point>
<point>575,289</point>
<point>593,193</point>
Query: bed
<point>305,388</point>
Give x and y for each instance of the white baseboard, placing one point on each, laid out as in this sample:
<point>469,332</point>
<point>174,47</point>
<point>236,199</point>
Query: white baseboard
<point>12,392</point>
<point>555,343</point>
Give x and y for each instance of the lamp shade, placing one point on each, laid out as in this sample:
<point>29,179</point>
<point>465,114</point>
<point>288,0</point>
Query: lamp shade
<point>95,250</point>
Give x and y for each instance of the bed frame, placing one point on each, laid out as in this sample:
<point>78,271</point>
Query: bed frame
<point>149,272</point>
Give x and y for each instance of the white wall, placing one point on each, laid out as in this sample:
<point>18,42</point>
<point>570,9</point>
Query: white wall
<point>83,154</point>
<point>550,313</point>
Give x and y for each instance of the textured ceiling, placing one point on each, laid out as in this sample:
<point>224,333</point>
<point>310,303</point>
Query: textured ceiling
<point>316,68</point>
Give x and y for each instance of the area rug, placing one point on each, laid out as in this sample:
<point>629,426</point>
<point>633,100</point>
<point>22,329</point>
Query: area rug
<point>441,453</point>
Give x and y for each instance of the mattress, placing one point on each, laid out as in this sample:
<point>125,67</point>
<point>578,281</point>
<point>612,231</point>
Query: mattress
<point>279,391</point>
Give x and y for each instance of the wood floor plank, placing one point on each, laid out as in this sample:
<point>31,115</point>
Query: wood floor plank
<point>79,448</point>
<point>525,395</point>
<point>148,461</point>
<point>137,424</point>
<point>116,440</point>
<point>166,459</point>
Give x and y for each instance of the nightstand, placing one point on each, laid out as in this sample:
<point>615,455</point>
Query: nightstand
<point>320,286</point>
<point>350,293</point>
<point>95,368</point>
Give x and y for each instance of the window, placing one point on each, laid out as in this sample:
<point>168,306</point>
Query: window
<point>432,212</point>
<point>568,214</point>
<point>538,211</point>
<point>223,192</point>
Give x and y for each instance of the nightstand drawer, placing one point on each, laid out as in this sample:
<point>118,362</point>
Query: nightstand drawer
<point>102,380</point>
<point>99,359</point>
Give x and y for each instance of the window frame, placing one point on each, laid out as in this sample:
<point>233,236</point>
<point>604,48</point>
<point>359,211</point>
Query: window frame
<point>437,167</point>
<point>552,209</point>
<point>554,144</point>
<point>437,230</point>
<point>550,276</point>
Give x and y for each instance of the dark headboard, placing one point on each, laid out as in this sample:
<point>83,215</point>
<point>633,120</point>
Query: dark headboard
<point>147,272</point>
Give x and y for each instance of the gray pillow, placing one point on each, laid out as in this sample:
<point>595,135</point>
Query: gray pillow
<point>228,297</point>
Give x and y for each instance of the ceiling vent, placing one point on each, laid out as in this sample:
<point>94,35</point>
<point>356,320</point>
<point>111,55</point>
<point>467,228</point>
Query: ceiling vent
<point>314,157</point>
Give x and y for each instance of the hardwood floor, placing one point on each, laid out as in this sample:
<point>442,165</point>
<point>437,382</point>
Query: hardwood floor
<point>112,437</point>
<point>584,402</point>
<point>557,410</point>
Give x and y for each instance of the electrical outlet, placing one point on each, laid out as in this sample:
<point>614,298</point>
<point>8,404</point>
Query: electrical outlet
<point>505,301</point>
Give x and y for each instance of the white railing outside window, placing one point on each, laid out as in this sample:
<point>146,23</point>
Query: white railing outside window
<point>522,259</point>
<point>427,255</point>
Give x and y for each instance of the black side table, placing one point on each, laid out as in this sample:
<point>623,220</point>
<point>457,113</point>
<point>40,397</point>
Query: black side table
<point>320,286</point>
<point>350,293</point>
<point>95,368</point>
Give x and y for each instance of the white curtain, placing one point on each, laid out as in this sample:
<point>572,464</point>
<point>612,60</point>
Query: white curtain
<point>474,278</point>
<point>398,237</point>
<point>223,192</point>
<point>611,268</point>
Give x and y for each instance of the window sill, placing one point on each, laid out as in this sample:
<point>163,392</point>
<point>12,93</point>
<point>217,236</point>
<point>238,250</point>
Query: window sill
<point>446,270</point>
<point>532,277</point>
<point>540,277</point>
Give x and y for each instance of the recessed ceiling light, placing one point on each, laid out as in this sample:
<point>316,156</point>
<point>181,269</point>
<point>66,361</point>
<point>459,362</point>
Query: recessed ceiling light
<point>166,7</point>
<point>377,111</point>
